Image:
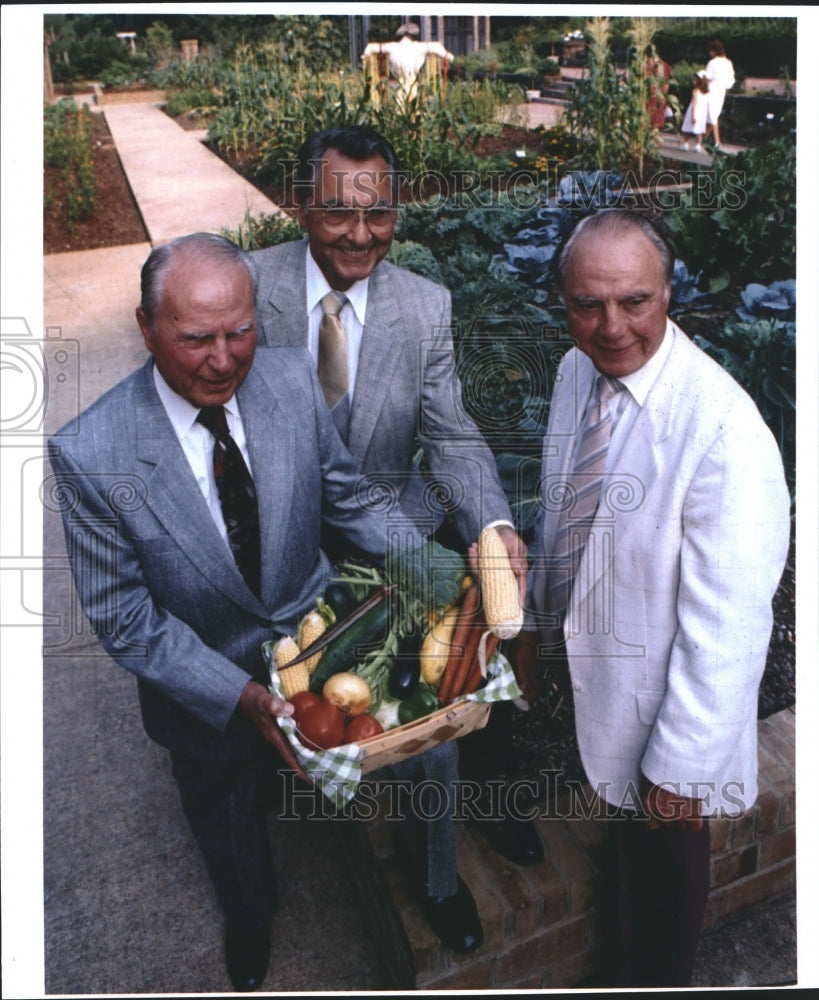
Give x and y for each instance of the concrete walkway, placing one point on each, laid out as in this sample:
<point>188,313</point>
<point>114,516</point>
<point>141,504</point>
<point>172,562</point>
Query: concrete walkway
<point>548,115</point>
<point>128,906</point>
<point>180,186</point>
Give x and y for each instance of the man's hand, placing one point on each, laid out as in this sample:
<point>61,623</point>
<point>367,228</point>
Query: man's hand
<point>518,556</point>
<point>262,708</point>
<point>662,806</point>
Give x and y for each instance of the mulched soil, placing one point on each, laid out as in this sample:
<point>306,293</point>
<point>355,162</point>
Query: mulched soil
<point>115,220</point>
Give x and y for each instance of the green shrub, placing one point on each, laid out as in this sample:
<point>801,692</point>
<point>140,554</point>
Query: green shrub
<point>124,72</point>
<point>264,231</point>
<point>747,230</point>
<point>758,46</point>
<point>761,355</point>
<point>67,144</point>
<point>191,101</point>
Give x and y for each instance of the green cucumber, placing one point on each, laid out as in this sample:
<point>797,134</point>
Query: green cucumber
<point>367,634</point>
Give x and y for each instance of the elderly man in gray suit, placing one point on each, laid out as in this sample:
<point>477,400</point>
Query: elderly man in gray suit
<point>182,589</point>
<point>398,392</point>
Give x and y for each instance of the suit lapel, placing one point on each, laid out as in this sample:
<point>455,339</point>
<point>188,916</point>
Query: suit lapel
<point>381,347</point>
<point>271,441</point>
<point>567,412</point>
<point>175,498</point>
<point>283,314</point>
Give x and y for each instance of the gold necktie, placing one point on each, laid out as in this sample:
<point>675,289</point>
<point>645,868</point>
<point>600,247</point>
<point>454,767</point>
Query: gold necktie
<point>332,352</point>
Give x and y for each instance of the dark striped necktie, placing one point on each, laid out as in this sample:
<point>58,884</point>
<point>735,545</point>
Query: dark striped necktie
<point>237,496</point>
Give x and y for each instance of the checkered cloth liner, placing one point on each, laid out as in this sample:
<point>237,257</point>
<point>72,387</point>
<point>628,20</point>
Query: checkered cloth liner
<point>337,772</point>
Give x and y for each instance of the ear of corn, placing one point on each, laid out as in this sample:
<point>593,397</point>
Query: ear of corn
<point>310,628</point>
<point>501,595</point>
<point>285,650</point>
<point>293,679</point>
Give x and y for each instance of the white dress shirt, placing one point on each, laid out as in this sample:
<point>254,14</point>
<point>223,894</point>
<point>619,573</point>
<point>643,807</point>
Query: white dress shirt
<point>197,442</point>
<point>626,405</point>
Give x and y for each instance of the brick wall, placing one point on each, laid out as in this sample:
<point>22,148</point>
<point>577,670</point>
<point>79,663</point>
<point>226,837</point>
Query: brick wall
<point>541,924</point>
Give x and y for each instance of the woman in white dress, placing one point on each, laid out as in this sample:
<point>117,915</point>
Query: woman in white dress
<point>720,73</point>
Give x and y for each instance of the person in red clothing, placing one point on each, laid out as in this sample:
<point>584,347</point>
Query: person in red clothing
<point>658,74</point>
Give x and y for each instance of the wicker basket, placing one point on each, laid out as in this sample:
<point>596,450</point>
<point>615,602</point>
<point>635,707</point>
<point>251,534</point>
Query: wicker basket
<point>438,727</point>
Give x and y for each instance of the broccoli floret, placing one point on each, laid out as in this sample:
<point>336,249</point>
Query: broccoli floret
<point>427,579</point>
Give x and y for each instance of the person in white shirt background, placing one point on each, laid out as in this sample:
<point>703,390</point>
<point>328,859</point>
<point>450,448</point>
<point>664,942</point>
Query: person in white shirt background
<point>721,77</point>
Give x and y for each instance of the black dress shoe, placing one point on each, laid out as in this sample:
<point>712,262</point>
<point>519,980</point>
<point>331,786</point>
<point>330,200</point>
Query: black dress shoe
<point>516,839</point>
<point>247,954</point>
<point>455,919</point>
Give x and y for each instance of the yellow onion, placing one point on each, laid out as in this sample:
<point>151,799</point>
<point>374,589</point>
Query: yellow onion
<point>347,691</point>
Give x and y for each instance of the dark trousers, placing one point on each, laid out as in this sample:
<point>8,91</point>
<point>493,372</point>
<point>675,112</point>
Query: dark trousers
<point>425,831</point>
<point>656,891</point>
<point>487,753</point>
<point>225,805</point>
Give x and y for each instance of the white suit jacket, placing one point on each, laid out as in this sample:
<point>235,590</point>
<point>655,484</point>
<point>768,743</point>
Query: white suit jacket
<point>670,616</point>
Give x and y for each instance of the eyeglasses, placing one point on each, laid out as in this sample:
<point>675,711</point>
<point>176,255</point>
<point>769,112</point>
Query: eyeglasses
<point>341,218</point>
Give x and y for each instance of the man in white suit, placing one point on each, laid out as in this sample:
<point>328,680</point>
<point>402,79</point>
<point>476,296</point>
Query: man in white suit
<point>151,552</point>
<point>668,618</point>
<point>404,395</point>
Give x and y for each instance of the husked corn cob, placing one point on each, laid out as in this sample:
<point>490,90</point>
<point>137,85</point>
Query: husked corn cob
<point>501,596</point>
<point>286,649</point>
<point>310,628</point>
<point>295,678</point>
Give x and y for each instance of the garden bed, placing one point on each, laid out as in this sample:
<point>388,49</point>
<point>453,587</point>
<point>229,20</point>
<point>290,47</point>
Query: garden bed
<point>499,150</point>
<point>115,220</point>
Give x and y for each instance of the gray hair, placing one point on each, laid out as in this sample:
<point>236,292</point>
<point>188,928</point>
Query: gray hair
<point>616,222</point>
<point>197,246</point>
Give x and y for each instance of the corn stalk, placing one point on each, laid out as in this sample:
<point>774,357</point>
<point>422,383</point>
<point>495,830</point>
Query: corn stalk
<point>608,113</point>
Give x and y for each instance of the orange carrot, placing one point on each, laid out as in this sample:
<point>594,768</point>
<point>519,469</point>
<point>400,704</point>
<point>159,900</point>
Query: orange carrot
<point>456,664</point>
<point>474,678</point>
<point>478,629</point>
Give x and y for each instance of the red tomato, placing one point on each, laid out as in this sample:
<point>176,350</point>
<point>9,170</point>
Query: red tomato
<point>302,701</point>
<point>361,727</point>
<point>321,726</point>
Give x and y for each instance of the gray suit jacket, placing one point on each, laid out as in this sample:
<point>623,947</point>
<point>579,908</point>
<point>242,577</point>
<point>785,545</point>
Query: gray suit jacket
<point>406,390</point>
<point>154,576</point>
